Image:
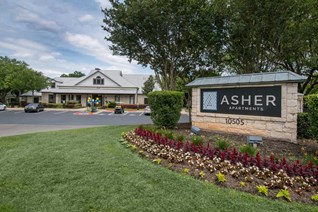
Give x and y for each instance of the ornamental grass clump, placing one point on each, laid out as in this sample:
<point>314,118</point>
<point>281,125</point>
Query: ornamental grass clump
<point>197,140</point>
<point>180,137</point>
<point>222,144</point>
<point>249,149</point>
<point>169,134</point>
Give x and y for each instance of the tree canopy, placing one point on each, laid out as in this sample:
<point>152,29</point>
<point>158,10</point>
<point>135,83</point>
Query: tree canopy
<point>182,38</point>
<point>17,77</point>
<point>172,37</point>
<point>74,74</point>
<point>149,85</point>
<point>265,35</point>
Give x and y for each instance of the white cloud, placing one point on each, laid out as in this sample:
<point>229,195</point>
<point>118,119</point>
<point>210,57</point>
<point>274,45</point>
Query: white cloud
<point>104,3</point>
<point>93,47</point>
<point>46,57</point>
<point>23,48</point>
<point>35,21</point>
<point>86,18</point>
<point>82,41</point>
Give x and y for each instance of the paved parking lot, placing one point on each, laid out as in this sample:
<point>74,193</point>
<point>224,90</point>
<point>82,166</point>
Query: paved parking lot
<point>13,122</point>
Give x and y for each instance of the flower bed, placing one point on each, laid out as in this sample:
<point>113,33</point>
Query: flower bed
<point>229,168</point>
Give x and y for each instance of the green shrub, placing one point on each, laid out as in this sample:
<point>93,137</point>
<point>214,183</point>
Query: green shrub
<point>312,103</point>
<point>58,105</point>
<point>165,107</point>
<point>69,105</point>
<point>54,105</point>
<point>197,140</point>
<point>112,104</point>
<point>78,105</point>
<point>249,149</point>
<point>71,102</point>
<point>303,125</point>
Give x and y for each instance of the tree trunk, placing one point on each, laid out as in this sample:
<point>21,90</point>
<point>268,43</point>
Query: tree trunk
<point>308,80</point>
<point>3,98</point>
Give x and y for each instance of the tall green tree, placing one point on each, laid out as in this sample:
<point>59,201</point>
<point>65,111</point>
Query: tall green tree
<point>17,77</point>
<point>74,74</point>
<point>265,35</point>
<point>172,37</point>
<point>8,68</point>
<point>149,85</point>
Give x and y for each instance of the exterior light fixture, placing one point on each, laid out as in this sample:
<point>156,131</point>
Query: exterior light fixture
<point>196,130</point>
<point>254,140</point>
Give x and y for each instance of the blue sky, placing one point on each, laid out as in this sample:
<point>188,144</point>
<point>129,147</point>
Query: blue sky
<point>57,37</point>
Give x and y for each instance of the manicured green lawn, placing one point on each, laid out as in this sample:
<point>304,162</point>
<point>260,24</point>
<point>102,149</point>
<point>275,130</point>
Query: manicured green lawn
<point>89,170</point>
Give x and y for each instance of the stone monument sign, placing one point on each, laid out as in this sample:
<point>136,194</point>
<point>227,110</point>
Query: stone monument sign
<point>263,104</point>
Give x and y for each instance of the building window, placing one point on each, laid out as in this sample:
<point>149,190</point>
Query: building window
<point>117,98</point>
<point>53,85</point>
<point>36,100</point>
<point>63,99</point>
<point>51,98</point>
<point>98,81</point>
<point>131,99</point>
<point>70,97</point>
<point>78,98</point>
<point>145,101</point>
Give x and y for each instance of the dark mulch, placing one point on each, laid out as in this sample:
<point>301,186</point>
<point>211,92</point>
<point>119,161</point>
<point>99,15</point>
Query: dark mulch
<point>278,148</point>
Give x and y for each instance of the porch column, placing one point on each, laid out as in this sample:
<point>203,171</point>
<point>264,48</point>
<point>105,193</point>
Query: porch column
<point>58,98</point>
<point>136,96</point>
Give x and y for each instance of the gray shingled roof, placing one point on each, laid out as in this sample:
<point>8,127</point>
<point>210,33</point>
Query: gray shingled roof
<point>66,84</point>
<point>139,80</point>
<point>244,79</point>
<point>29,93</point>
<point>114,75</point>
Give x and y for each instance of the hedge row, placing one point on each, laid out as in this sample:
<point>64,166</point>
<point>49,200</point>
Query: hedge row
<point>57,105</point>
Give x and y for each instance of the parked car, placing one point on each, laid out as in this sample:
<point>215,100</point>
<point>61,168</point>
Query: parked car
<point>147,110</point>
<point>2,106</point>
<point>119,109</point>
<point>34,107</point>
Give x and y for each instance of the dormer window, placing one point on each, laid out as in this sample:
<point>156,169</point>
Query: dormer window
<point>98,81</point>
